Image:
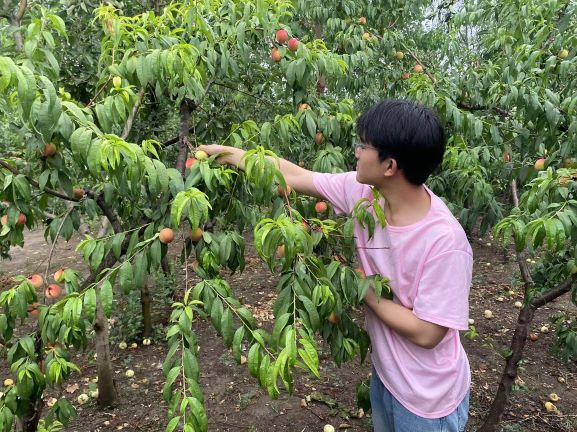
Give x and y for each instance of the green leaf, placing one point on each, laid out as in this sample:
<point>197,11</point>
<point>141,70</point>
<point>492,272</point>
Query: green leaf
<point>106,297</point>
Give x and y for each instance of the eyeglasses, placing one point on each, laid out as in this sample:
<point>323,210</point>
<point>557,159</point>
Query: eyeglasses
<point>363,146</point>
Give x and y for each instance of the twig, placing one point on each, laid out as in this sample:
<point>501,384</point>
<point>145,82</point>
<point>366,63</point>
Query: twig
<point>559,290</point>
<point>130,121</point>
<point>35,183</point>
<point>245,93</point>
<point>52,249</point>
<point>98,93</point>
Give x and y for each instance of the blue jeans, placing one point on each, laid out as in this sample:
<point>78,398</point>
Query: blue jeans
<point>390,416</point>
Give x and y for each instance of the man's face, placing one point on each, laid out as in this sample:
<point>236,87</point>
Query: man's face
<point>370,169</point>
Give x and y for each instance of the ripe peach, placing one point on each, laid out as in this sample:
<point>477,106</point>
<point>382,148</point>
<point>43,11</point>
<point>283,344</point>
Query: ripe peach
<point>333,318</point>
<point>293,44</point>
<point>166,235</point>
<point>540,164</point>
<point>418,68</point>
<point>49,150</point>
<point>280,251</point>
<point>304,107</point>
<point>53,291</point>
<point>196,234</point>
<point>281,36</point>
<point>319,138</point>
<point>362,20</point>
<point>21,219</point>
<point>361,272</point>
<point>36,280</point>
<point>405,76</point>
<point>533,337</point>
<point>321,207</point>
<point>190,162</point>
<point>4,220</point>
<point>59,275</point>
<point>78,193</point>
<point>275,55</point>
<point>506,157</point>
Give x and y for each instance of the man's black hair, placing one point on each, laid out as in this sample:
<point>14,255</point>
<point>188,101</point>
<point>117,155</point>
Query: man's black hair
<point>406,131</point>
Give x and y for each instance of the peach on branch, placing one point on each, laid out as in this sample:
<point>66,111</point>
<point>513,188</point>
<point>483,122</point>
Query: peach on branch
<point>36,280</point>
<point>196,234</point>
<point>59,275</point>
<point>78,193</point>
<point>304,107</point>
<point>190,162</point>
<point>275,55</point>
<point>293,44</point>
<point>280,251</point>
<point>49,150</point>
<point>540,164</point>
<point>321,207</point>
<point>362,20</point>
<point>282,36</point>
<point>563,54</point>
<point>201,155</point>
<point>333,318</point>
<point>166,235</point>
<point>405,76</point>
<point>53,291</point>
<point>418,68</point>
<point>319,138</point>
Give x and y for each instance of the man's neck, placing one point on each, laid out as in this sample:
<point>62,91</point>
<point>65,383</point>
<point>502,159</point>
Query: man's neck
<point>405,204</point>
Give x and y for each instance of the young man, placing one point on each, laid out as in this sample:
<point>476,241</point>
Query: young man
<point>421,377</point>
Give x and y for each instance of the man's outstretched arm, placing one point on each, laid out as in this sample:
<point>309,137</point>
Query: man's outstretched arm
<point>300,179</point>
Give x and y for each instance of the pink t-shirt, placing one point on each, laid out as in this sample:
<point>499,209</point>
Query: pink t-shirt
<point>429,265</point>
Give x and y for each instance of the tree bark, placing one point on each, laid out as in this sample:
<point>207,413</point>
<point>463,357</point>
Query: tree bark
<point>185,108</point>
<point>107,393</point>
<point>517,346</point>
<point>510,373</point>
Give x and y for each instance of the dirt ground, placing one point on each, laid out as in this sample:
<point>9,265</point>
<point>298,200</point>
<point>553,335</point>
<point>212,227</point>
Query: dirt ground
<point>234,401</point>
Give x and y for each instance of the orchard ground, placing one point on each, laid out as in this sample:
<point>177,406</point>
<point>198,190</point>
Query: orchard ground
<point>234,401</point>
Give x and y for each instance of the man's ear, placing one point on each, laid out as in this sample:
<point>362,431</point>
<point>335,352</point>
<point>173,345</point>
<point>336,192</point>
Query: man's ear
<point>390,167</point>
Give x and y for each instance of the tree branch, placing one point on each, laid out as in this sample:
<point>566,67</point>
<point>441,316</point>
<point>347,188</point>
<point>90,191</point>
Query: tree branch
<point>16,21</point>
<point>130,120</point>
<point>35,183</point>
<point>466,107</point>
<point>245,93</point>
<point>559,290</point>
<point>108,212</point>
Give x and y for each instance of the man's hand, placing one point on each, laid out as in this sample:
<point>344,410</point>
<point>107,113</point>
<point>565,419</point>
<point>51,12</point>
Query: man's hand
<point>300,179</point>
<point>404,322</point>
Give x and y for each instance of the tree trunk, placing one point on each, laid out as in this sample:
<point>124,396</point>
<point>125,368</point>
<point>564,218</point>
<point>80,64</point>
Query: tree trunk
<point>185,108</point>
<point>28,422</point>
<point>146,303</point>
<point>510,373</point>
<point>107,393</point>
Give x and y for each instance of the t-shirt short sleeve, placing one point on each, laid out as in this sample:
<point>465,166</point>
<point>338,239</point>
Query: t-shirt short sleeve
<point>443,291</point>
<point>342,190</point>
